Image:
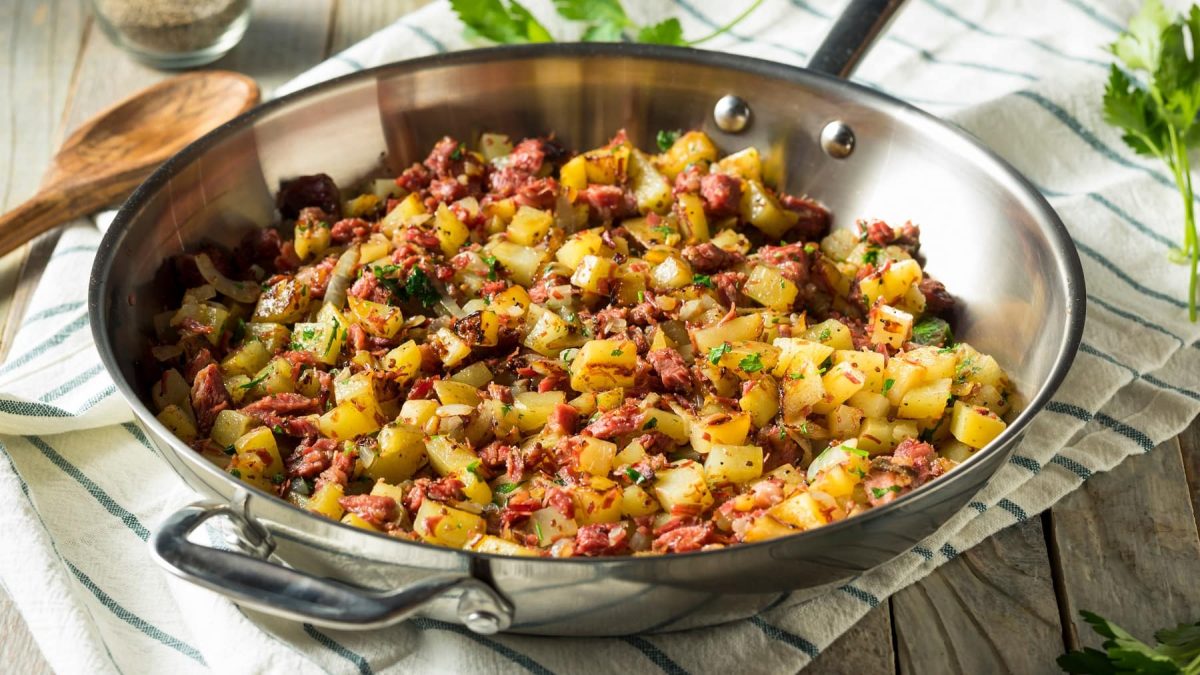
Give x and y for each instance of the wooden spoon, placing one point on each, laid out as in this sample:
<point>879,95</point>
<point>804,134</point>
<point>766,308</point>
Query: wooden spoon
<point>106,158</point>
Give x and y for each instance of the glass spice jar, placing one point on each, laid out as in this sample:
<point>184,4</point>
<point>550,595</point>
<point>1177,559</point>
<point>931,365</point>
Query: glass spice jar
<point>174,33</point>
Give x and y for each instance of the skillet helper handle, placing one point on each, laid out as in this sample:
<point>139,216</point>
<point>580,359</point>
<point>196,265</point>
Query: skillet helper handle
<point>852,36</point>
<point>281,591</point>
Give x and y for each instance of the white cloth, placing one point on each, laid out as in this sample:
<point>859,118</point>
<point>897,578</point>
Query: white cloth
<point>80,485</point>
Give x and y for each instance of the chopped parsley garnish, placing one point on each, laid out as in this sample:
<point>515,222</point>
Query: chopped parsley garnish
<point>537,527</point>
<point>796,376</point>
<point>641,297</point>
<point>277,429</point>
<point>856,451</point>
<point>804,427</point>
<point>229,449</point>
<point>810,248</point>
<point>878,493</point>
<point>616,352</point>
<point>418,287</point>
<point>506,408</point>
<point>254,382</point>
<point>491,261</point>
<point>751,364</point>
<point>664,230</point>
<point>568,355</point>
<point>666,139</point>
<point>635,475</point>
<point>703,280</point>
<point>650,423</point>
<point>824,335</point>
<point>473,467</point>
<point>235,473</point>
<point>457,154</point>
<point>278,479</point>
<point>871,256</point>
<point>333,332</point>
<point>932,331</point>
<point>888,384</point>
<point>505,488</point>
<point>715,354</point>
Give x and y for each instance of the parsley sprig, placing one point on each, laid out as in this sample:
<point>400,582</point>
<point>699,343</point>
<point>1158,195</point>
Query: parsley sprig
<point>1177,651</point>
<point>509,22</point>
<point>1154,97</point>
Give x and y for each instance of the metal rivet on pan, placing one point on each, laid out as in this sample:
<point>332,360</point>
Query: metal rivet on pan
<point>732,114</point>
<point>484,623</point>
<point>837,140</point>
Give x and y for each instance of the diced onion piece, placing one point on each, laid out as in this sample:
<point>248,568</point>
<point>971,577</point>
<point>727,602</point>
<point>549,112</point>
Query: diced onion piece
<point>343,275</point>
<point>242,291</point>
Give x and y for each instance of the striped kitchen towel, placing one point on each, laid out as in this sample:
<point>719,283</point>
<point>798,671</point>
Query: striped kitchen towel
<point>81,486</point>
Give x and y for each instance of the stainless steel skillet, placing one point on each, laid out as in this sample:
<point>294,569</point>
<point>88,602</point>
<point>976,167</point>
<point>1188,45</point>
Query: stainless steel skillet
<point>987,234</point>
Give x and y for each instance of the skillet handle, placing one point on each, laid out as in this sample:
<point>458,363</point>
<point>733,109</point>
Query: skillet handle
<point>852,36</point>
<point>281,591</point>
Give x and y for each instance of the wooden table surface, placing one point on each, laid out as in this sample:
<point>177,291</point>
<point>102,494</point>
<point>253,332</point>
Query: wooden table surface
<point>1126,545</point>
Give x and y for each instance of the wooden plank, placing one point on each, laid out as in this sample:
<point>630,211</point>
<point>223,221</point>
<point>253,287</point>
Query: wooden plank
<point>1189,444</point>
<point>356,19</point>
<point>42,41</point>
<point>864,649</point>
<point>990,610</point>
<point>1129,548</point>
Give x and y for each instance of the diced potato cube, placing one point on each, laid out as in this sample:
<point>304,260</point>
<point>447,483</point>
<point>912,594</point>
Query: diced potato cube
<point>693,223</point>
<point>899,376</point>
<point>437,523</point>
<point>870,364</point>
<point>631,454</point>
<point>763,211</point>
<point>610,399</point>
<point>347,421</point>
<point>904,429</point>
<point>513,301</point>
<point>870,403</point>
<point>682,489</point>
<point>286,301</point>
<point>975,426</point>
<point>636,502</point>
<point>550,525</point>
<point>830,332</point>
<point>310,239</point>
<point>956,451</point>
<point>170,389</point>
<point>401,452</point>
<point>745,164</point>
<point>938,364</point>
<point>274,337</point>
<point>875,435</point>
<point>585,243</point>
<point>747,358</point>
<point>548,333</point>
<point>672,273</point>
<point>801,511</point>
<point>803,389</point>
<point>418,411</point>
<point>450,348</point>
<point>325,501</point>
<point>450,231</point>
<point>604,364</point>
<point>451,393</point>
<point>795,353</point>
<point>844,421</point>
<point>522,262</point>
<point>250,358</point>
<point>275,378</point>
<point>529,226</point>
<point>841,382</point>
<point>495,545</point>
<point>694,147</point>
<point>573,174</point>
<point>770,288</point>
<point>448,456</point>
<point>376,318</point>
<point>534,408</point>
<point>593,274</point>
<point>743,328</point>
<point>890,326</point>
<point>837,482</point>
<point>607,166</point>
<point>231,425</point>
<point>898,276</point>
<point>353,520</point>
<point>925,402</point>
<point>761,400</point>
<point>209,315</point>
<point>719,429</point>
<point>766,527</point>
<point>650,188</point>
<point>180,421</point>
<point>592,506</point>
<point>321,339</point>
<point>404,360</point>
<point>475,488</point>
<point>260,442</point>
<point>596,456</point>
<point>665,422</point>
<point>733,463</point>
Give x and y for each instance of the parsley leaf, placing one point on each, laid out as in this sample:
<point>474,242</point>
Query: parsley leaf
<point>418,287</point>
<point>703,280</point>
<point>888,384</point>
<point>871,256</point>
<point>715,354</point>
<point>255,381</point>
<point>1177,650</point>
<point>635,475</point>
<point>500,21</point>
<point>878,493</point>
<point>1153,96</point>
<point>665,139</point>
<point>751,363</point>
<point>616,352</point>
<point>650,423</point>
<point>932,331</point>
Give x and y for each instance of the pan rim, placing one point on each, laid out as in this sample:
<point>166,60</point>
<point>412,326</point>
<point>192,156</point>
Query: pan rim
<point>1065,255</point>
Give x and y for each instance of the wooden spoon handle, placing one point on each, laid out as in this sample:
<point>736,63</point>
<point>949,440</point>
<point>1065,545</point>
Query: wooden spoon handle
<point>57,204</point>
